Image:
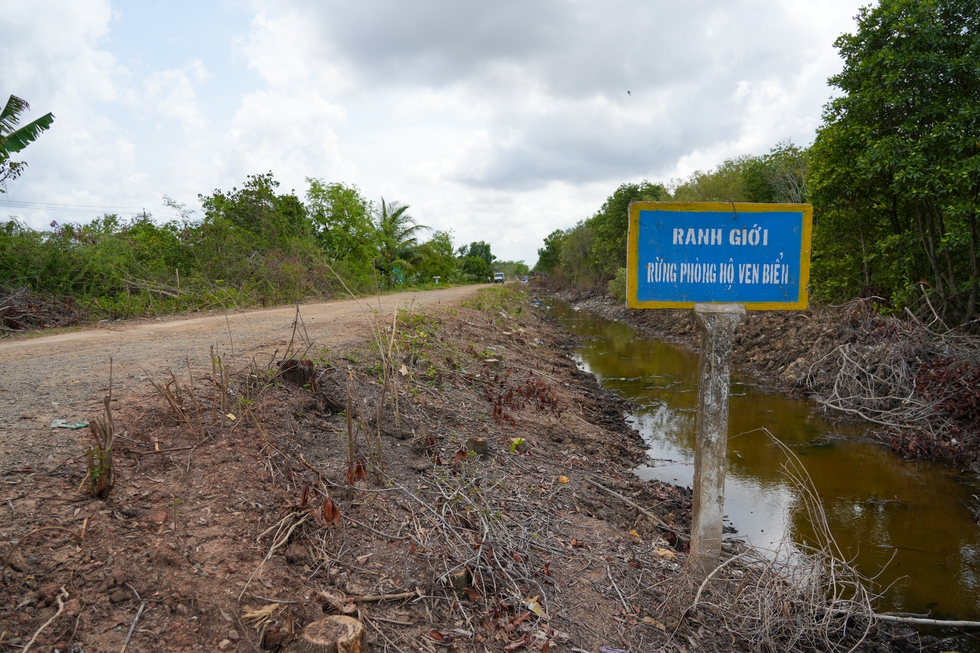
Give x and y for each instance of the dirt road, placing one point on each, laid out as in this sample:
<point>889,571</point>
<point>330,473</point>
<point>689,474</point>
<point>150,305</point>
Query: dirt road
<point>65,376</point>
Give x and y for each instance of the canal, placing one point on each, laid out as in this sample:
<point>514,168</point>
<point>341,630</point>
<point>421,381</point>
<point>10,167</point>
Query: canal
<point>906,523</point>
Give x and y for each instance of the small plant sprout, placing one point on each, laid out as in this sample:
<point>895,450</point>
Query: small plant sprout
<point>100,472</point>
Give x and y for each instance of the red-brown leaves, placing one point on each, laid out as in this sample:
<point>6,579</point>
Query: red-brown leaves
<point>505,395</point>
<point>356,471</point>
<point>331,514</point>
<point>328,514</point>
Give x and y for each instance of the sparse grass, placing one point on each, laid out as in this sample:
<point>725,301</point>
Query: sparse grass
<point>42,333</point>
<point>507,299</point>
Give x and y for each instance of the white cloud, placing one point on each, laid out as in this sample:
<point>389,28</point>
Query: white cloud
<point>501,121</point>
<point>292,134</point>
<point>57,66</point>
<point>169,97</point>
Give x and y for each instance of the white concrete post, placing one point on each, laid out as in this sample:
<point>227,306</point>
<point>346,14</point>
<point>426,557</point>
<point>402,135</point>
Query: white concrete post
<point>717,322</point>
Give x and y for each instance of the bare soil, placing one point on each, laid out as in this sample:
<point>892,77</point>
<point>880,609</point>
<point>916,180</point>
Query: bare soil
<point>292,491</point>
<point>184,529</point>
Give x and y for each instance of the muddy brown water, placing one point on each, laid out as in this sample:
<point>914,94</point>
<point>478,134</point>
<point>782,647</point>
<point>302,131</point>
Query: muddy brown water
<point>878,505</point>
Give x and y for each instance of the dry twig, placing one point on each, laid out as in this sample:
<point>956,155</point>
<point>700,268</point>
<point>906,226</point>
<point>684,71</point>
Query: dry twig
<point>62,595</point>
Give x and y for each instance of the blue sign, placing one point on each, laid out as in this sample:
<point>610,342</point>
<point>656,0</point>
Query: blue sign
<point>681,254</point>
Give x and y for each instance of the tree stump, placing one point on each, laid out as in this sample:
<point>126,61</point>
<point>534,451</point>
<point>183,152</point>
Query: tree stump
<point>299,372</point>
<point>478,445</point>
<point>335,634</point>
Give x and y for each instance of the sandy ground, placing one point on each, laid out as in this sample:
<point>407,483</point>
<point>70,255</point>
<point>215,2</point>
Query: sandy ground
<point>65,376</point>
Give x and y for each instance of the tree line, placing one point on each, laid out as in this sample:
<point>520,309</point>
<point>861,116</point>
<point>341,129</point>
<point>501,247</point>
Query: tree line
<point>253,245</point>
<point>893,173</point>
<point>593,252</point>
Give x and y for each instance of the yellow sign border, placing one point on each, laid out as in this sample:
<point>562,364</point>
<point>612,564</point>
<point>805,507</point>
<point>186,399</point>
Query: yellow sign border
<point>632,248</point>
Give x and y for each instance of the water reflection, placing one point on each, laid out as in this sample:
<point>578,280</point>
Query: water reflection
<point>877,504</point>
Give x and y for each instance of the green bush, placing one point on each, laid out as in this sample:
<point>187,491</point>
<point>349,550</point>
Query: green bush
<point>617,286</point>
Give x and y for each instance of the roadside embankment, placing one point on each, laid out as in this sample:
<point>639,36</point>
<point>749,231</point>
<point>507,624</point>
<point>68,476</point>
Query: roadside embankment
<point>450,479</point>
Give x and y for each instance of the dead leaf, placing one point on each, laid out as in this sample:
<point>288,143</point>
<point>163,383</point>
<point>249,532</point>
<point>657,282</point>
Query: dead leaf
<point>666,554</point>
<point>403,370</point>
<point>330,514</point>
<point>650,621</point>
<point>535,606</point>
<point>356,471</point>
<point>340,604</point>
<point>256,618</point>
<point>523,641</point>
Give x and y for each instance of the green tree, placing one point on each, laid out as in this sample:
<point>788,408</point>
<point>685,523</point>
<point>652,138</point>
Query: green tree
<point>577,249</point>
<point>398,246</point>
<point>437,258</point>
<point>258,244</point>
<point>511,269</point>
<point>478,248</point>
<point>549,256</point>
<point>726,183</point>
<point>13,139</point>
<point>779,176</point>
<point>475,268</point>
<point>610,226</point>
<point>256,212</point>
<point>895,168</point>
<point>342,220</point>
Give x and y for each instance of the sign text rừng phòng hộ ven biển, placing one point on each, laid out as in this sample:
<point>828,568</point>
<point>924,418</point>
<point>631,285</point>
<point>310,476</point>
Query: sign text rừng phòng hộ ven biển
<point>681,254</point>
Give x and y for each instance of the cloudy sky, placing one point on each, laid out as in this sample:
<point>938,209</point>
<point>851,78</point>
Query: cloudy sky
<point>501,121</point>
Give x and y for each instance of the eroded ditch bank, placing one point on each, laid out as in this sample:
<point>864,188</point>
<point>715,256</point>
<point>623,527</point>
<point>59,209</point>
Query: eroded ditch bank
<point>907,523</point>
<point>918,384</point>
<point>280,494</point>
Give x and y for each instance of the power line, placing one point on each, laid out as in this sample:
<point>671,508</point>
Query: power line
<point>77,208</point>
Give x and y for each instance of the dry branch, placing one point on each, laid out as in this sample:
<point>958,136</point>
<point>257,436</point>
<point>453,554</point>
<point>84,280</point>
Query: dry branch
<point>22,309</point>
<point>656,520</point>
<point>900,375</point>
<point>62,595</point>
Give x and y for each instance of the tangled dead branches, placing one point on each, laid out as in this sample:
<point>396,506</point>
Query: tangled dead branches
<point>798,598</point>
<point>22,309</point>
<point>920,386</point>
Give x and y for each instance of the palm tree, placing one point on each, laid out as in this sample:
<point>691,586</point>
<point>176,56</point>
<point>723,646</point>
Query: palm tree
<point>398,239</point>
<point>13,140</point>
